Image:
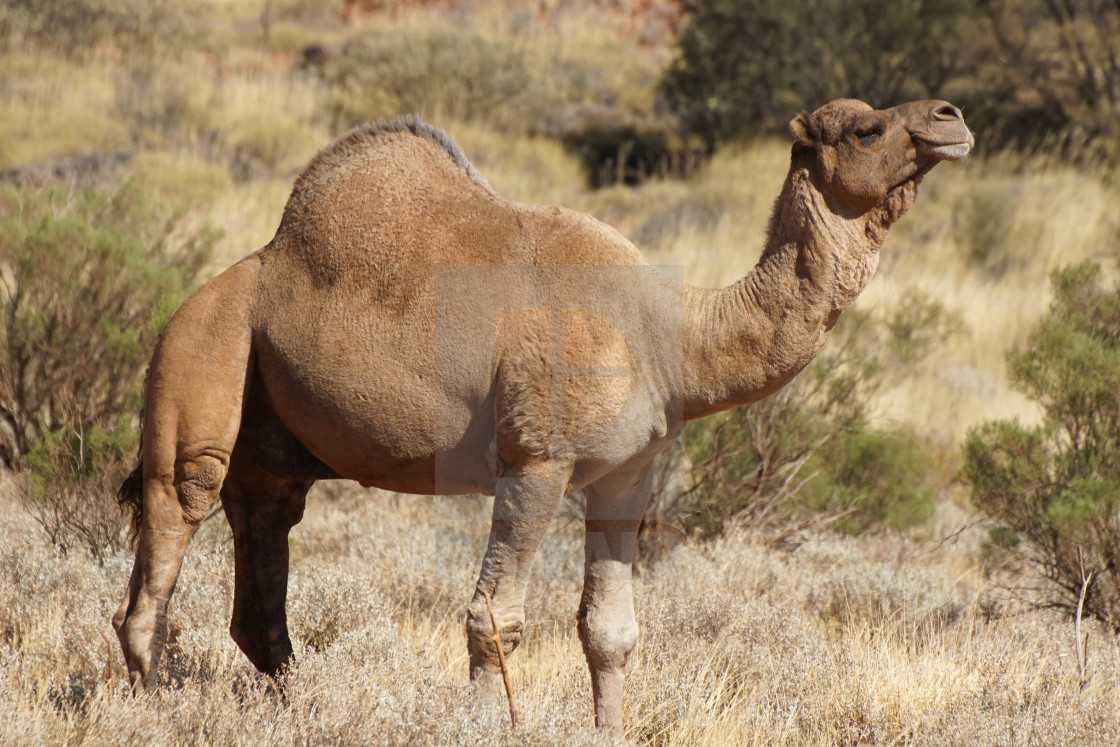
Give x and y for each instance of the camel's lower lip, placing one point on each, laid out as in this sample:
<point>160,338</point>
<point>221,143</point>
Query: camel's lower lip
<point>948,151</point>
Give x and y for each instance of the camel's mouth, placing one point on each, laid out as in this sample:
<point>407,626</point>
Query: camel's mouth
<point>954,151</point>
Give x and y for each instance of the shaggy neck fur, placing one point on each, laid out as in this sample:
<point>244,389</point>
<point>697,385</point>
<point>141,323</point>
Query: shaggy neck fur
<point>747,340</point>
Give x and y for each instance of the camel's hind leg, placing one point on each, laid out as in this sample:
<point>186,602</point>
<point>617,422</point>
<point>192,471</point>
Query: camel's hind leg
<point>175,502</point>
<point>262,509</point>
<point>196,384</point>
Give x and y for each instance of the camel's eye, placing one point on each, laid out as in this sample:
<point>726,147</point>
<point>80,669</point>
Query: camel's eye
<point>869,135</point>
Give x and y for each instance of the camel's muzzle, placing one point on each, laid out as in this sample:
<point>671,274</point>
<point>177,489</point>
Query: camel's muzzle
<point>944,135</point>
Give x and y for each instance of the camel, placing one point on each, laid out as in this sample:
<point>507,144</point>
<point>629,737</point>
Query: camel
<point>410,329</point>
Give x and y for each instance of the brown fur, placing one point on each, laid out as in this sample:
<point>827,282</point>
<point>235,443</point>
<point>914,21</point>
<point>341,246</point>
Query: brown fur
<point>410,329</point>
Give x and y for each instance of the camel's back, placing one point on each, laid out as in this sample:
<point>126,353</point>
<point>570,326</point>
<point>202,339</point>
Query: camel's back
<point>387,202</point>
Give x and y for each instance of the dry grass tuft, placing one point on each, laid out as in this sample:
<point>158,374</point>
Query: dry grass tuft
<point>878,639</point>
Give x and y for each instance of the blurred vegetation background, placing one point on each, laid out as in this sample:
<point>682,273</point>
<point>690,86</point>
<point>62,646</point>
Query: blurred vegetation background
<point>1030,74</point>
<point>145,146</point>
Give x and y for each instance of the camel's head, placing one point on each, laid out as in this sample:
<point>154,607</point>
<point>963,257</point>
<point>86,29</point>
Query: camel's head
<point>863,154</point>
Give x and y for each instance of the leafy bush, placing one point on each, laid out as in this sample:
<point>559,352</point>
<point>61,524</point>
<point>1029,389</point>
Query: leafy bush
<point>810,448</point>
<point>1028,73</point>
<point>76,27</point>
<point>881,476</point>
<point>1048,74</point>
<point>74,475</point>
<point>87,279</point>
<point>1054,489</point>
<point>745,65</point>
<point>752,459</point>
<point>624,154</point>
<point>595,100</point>
<point>440,74</point>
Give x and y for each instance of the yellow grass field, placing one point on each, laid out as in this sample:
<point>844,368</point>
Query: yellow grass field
<point>877,640</point>
<point>822,639</point>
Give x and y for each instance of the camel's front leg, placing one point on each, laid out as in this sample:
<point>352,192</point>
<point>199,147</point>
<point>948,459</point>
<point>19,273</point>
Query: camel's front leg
<point>524,503</point>
<point>607,627</point>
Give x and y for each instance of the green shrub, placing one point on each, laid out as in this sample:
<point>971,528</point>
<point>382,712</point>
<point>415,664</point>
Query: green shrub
<point>881,476</point>
<point>77,27</point>
<point>562,91</point>
<point>440,75</point>
<point>750,460</point>
<point>74,475</point>
<point>1053,490</point>
<point>83,276</point>
<point>619,155</point>
<point>1030,74</point>
<point>1045,74</point>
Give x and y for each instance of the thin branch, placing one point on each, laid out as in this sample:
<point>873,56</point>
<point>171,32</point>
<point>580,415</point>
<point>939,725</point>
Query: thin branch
<point>109,662</point>
<point>1082,646</point>
<point>502,661</point>
<point>959,532</point>
<point>815,523</point>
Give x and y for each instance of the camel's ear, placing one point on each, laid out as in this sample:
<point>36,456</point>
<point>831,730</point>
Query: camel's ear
<point>803,130</point>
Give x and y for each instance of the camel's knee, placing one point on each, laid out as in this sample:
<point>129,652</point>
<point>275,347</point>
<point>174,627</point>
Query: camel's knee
<point>607,639</point>
<point>481,640</point>
<point>198,481</point>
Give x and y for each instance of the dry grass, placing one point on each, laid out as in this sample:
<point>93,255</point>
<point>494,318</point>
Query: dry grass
<point>839,641</point>
<point>880,639</point>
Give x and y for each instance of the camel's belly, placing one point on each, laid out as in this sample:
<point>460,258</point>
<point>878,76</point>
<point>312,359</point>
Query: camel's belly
<point>418,439</point>
<point>380,423</point>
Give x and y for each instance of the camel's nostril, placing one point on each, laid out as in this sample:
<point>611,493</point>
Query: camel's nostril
<point>947,112</point>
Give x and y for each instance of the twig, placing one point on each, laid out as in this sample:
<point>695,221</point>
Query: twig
<point>108,662</point>
<point>502,661</point>
<point>961,530</point>
<point>810,524</point>
<point>1082,645</point>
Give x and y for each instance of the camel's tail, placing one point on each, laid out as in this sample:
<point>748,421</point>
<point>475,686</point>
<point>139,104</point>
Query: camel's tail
<point>131,497</point>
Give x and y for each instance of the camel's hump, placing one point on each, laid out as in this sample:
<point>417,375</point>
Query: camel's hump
<point>393,199</point>
<point>358,140</point>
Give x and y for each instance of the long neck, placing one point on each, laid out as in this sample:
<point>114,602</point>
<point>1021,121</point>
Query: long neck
<point>745,341</point>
